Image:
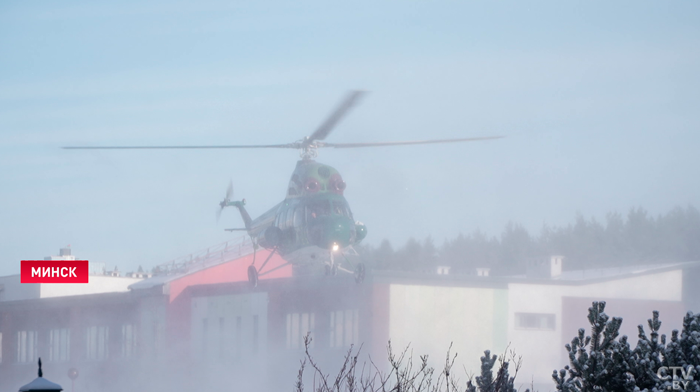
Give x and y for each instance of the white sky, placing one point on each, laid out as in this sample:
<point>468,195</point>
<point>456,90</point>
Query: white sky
<point>598,100</point>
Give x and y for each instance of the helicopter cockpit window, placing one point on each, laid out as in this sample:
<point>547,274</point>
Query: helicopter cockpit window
<point>318,208</point>
<point>279,221</point>
<point>298,216</point>
<point>290,217</point>
<point>340,208</point>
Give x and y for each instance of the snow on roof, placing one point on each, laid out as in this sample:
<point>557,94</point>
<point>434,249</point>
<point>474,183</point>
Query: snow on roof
<point>614,272</point>
<point>154,281</point>
<point>41,384</point>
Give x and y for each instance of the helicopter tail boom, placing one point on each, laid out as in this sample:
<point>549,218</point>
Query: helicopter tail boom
<point>247,221</point>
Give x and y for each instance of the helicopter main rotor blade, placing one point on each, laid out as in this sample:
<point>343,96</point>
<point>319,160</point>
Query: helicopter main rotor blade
<point>229,190</point>
<point>327,126</point>
<point>288,145</point>
<point>380,144</point>
<point>219,210</point>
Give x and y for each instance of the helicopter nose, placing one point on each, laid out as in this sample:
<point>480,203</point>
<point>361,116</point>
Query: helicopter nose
<point>332,231</point>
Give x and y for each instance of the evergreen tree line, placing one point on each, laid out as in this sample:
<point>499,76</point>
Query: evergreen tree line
<point>637,238</point>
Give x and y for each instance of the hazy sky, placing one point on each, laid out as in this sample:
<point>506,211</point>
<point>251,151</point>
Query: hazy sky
<point>599,100</point>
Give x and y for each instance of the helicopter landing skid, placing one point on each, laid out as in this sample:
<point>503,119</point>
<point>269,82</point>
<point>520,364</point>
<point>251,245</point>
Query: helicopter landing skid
<point>274,250</point>
<point>275,269</point>
<point>331,270</point>
<point>254,274</point>
<point>357,269</point>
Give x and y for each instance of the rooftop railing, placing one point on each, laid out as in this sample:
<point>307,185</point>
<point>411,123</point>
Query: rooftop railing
<point>213,255</point>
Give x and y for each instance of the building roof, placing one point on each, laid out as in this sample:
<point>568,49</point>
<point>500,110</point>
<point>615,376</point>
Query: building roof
<point>578,277</point>
<point>197,261</point>
<point>41,384</point>
<point>621,272</point>
<point>155,281</point>
<point>586,276</point>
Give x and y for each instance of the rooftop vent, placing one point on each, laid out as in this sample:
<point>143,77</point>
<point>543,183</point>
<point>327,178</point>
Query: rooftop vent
<point>443,270</point>
<point>544,267</point>
<point>63,254</point>
<point>114,273</point>
<point>483,271</point>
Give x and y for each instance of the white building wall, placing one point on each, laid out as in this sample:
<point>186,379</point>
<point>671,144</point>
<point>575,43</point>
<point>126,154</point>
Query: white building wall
<point>430,318</point>
<point>543,350</point>
<point>152,329</point>
<point>237,315</point>
<point>11,289</point>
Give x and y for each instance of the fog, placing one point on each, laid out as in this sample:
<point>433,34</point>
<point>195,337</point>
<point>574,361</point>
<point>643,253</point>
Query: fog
<point>597,104</point>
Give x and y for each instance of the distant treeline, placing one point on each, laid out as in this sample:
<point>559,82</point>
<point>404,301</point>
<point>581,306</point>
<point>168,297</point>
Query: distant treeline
<point>636,238</point>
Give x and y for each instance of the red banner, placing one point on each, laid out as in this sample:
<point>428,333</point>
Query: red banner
<point>54,271</point>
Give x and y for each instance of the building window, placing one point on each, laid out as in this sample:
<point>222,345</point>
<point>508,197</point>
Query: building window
<point>298,326</point>
<point>97,343</point>
<point>26,346</point>
<point>344,328</point>
<point>156,338</point>
<point>534,321</point>
<point>256,333</point>
<point>239,332</point>
<point>222,338</point>
<point>128,340</point>
<point>205,336</point>
<point>59,344</point>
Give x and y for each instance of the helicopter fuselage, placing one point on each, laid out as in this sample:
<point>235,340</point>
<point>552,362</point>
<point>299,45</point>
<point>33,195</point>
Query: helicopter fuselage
<point>314,216</point>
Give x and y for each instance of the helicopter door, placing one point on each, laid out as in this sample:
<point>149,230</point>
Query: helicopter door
<point>299,223</point>
<point>284,219</point>
<point>280,221</point>
<point>290,218</point>
<point>285,222</point>
<point>299,217</point>
<point>290,234</point>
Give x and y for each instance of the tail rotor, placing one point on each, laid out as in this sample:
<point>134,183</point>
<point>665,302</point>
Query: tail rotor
<point>227,199</point>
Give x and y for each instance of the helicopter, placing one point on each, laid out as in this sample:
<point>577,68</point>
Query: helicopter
<point>314,224</point>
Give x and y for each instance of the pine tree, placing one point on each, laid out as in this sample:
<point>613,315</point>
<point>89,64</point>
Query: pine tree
<point>601,362</point>
<point>503,382</point>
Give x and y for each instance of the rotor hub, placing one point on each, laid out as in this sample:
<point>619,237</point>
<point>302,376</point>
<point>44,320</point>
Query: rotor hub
<point>309,152</point>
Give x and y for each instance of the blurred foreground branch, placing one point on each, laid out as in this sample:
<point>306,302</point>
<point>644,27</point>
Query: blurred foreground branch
<point>403,375</point>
